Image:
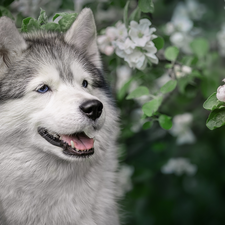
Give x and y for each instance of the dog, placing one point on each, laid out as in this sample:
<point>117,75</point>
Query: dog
<point>58,128</point>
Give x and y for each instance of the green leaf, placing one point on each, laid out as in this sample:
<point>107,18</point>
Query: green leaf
<point>138,92</point>
<point>189,79</point>
<point>122,92</point>
<point>171,53</point>
<point>42,19</point>
<point>67,20</point>
<point>125,14</point>
<point>200,47</point>
<point>189,60</point>
<point>7,2</point>
<point>151,107</point>
<point>5,12</point>
<point>29,24</point>
<point>59,14</point>
<point>169,86</point>
<point>165,122</point>
<point>147,125</point>
<point>146,6</point>
<point>51,27</point>
<point>216,119</point>
<point>159,42</point>
<point>212,102</point>
<point>135,15</point>
<point>168,66</point>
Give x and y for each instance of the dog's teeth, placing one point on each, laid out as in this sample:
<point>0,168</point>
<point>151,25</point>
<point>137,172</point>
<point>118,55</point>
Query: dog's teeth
<point>55,136</point>
<point>72,144</point>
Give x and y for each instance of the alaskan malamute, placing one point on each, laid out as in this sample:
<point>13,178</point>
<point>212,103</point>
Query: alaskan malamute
<point>58,128</point>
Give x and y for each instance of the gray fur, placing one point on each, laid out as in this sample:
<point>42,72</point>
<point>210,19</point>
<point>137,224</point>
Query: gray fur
<point>39,185</point>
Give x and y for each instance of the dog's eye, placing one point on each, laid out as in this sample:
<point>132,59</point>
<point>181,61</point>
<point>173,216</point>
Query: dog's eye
<point>43,89</point>
<point>85,83</point>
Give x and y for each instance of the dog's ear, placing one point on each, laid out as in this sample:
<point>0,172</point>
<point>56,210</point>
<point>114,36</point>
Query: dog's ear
<point>82,34</point>
<point>11,42</point>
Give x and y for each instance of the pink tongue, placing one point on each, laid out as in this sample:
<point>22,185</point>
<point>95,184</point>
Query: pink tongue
<point>81,141</point>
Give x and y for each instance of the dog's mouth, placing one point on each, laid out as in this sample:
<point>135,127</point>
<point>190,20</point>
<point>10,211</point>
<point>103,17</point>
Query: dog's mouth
<point>78,144</point>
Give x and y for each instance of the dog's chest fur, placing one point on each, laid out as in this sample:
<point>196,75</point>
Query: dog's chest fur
<point>58,194</point>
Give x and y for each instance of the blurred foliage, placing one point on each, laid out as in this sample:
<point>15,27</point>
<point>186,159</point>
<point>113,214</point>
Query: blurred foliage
<point>145,142</point>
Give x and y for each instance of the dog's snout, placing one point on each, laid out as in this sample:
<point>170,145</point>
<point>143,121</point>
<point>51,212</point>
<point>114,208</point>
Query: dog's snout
<point>92,109</point>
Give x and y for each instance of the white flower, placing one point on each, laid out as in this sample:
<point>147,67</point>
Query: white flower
<point>141,33</point>
<point>136,60</point>
<point>181,129</point>
<point>182,41</point>
<point>195,9</point>
<point>124,183</point>
<point>182,24</point>
<point>151,50</point>
<point>180,28</point>
<point>182,71</point>
<point>169,28</point>
<point>123,75</point>
<point>125,47</point>
<point>121,30</point>
<point>179,166</point>
<point>221,93</point>
<point>111,33</point>
<point>186,70</point>
<point>187,137</point>
<point>104,45</point>
<point>136,47</point>
<point>105,42</point>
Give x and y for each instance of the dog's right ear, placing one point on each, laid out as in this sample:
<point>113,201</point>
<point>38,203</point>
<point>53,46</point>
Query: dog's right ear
<point>83,35</point>
<point>11,42</point>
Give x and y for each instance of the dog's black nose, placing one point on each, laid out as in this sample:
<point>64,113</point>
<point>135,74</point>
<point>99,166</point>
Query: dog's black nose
<point>92,109</point>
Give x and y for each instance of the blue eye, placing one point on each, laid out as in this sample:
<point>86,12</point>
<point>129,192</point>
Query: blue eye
<point>43,89</point>
<point>85,84</point>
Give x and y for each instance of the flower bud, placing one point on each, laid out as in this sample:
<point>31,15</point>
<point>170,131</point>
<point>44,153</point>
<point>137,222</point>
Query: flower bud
<point>221,93</point>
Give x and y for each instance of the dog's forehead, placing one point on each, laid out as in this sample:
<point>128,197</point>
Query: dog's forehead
<point>48,73</point>
<point>55,74</point>
<point>78,71</point>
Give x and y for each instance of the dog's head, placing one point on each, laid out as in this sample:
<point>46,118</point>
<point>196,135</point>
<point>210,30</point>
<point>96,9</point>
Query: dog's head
<point>53,96</point>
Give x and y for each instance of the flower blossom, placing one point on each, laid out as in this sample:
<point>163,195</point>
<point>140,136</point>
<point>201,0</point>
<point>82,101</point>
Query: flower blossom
<point>141,33</point>
<point>182,71</point>
<point>137,49</point>
<point>181,129</point>
<point>181,27</point>
<point>179,166</point>
<point>221,93</point>
<point>123,75</point>
<point>135,46</point>
<point>119,32</point>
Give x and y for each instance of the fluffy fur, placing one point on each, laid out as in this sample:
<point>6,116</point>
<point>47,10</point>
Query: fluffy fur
<point>39,184</point>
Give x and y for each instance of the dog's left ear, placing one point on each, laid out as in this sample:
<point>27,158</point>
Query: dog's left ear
<point>82,34</point>
<point>12,43</point>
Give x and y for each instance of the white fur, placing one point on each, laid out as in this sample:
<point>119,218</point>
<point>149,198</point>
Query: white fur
<point>39,184</point>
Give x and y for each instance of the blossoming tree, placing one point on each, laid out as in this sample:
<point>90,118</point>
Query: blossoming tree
<point>164,61</point>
